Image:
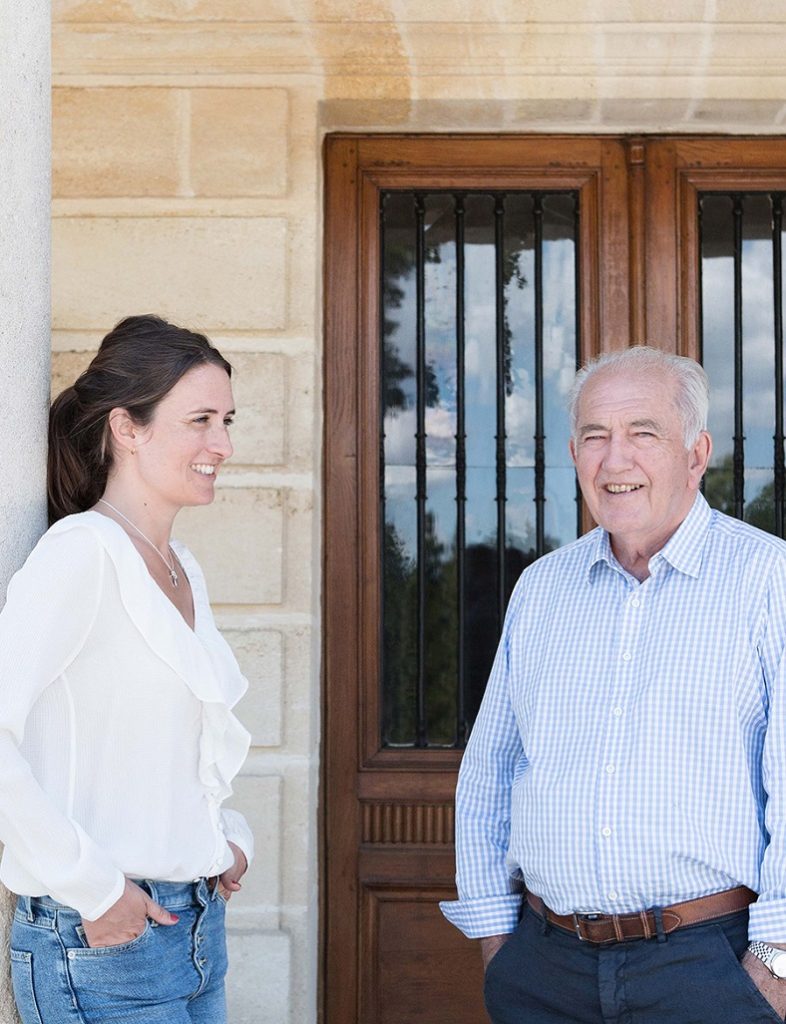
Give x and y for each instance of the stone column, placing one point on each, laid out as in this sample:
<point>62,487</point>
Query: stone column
<point>25,80</point>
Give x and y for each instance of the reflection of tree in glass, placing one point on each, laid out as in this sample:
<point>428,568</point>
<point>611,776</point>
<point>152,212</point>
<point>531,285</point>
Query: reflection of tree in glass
<point>719,492</point>
<point>395,370</point>
<point>481,631</point>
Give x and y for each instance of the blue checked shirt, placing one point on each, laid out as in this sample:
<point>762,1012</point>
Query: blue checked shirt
<point>630,750</point>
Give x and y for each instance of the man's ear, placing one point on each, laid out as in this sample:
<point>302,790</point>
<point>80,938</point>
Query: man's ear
<point>700,457</point>
<point>572,450</point>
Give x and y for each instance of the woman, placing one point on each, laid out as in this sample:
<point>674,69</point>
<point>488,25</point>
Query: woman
<point>117,742</point>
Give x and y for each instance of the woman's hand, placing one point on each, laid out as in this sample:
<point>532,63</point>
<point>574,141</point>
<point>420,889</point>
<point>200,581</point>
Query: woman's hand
<point>228,881</point>
<point>126,919</point>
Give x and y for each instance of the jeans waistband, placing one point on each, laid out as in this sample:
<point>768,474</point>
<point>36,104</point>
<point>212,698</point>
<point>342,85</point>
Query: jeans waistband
<point>170,895</point>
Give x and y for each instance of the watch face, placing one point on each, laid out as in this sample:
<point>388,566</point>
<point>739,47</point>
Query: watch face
<point>778,964</point>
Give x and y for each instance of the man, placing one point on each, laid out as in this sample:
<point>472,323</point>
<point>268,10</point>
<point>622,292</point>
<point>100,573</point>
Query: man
<point>621,807</point>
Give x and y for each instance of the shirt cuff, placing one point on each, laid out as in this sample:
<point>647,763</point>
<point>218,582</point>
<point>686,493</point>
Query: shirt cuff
<point>94,911</point>
<point>236,830</point>
<point>767,920</point>
<point>489,915</point>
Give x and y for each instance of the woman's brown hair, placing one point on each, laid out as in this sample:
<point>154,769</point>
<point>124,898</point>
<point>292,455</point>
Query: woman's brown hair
<point>138,363</point>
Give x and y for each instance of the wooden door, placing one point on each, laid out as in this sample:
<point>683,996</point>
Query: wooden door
<point>388,956</point>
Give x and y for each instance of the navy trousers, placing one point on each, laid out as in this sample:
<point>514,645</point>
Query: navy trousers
<point>545,975</point>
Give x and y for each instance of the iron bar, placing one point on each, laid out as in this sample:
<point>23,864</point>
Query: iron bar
<point>739,437</point>
<point>461,475</point>
<point>777,291</point>
<point>502,375</point>
<point>382,381</point>
<point>577,300</point>
<point>540,440</point>
<point>421,739</point>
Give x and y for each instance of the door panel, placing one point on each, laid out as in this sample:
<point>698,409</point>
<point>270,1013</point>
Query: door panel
<point>387,812</point>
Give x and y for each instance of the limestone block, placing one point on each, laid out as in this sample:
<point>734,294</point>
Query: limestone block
<point>643,113</point>
<point>258,983</point>
<point>259,387</point>
<point>203,272</point>
<point>238,542</point>
<point>514,12</point>
<point>258,798</point>
<point>114,142</point>
<point>745,113</point>
<point>171,10</point>
<point>302,443</point>
<point>299,549</point>
<point>301,709</point>
<point>239,142</point>
<point>260,654</point>
<point>66,367</point>
<point>298,837</point>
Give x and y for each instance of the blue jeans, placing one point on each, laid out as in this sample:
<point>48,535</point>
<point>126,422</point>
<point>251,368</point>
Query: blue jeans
<point>170,974</point>
<point>545,975</point>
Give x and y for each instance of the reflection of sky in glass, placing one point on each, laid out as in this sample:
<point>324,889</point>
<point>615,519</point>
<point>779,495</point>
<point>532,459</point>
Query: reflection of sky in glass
<point>758,393</point>
<point>480,353</point>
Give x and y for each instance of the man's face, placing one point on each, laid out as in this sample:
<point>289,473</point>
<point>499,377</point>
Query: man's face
<point>637,478</point>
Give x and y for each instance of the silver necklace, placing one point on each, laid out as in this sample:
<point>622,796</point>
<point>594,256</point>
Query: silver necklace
<point>170,567</point>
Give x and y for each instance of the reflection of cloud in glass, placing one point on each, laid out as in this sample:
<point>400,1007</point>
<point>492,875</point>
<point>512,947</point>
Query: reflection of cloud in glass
<point>400,438</point>
<point>440,436</point>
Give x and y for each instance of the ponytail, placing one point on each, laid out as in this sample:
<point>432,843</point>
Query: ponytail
<point>78,463</point>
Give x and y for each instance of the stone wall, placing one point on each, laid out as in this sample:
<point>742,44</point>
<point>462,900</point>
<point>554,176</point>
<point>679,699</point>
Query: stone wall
<point>187,181</point>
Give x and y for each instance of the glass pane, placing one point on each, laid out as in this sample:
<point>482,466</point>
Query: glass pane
<point>400,621</point>
<point>750,388</point>
<point>428,699</point>
<point>441,618</point>
<point>559,365</point>
<point>758,390</point>
<point>717,300</point>
<point>481,616</point>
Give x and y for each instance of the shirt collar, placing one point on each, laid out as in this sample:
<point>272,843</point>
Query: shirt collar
<point>683,550</point>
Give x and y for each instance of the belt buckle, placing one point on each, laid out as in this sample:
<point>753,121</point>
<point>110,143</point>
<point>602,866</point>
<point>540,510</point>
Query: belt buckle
<point>590,915</point>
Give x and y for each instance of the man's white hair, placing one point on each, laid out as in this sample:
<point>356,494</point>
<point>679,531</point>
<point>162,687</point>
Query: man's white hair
<point>693,390</point>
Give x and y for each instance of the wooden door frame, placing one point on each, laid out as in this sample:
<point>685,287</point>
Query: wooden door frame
<point>639,259</point>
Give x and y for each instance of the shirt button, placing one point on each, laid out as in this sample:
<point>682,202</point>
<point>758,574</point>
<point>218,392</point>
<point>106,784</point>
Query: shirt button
<point>627,656</point>
<point>605,831</point>
<point>613,895</point>
<point>617,712</point>
<point>635,603</point>
<point>610,769</point>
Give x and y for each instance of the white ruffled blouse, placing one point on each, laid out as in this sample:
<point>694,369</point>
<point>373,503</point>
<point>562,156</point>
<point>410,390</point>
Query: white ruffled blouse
<point>117,739</point>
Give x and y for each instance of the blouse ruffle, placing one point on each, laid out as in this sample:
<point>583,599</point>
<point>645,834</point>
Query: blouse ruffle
<point>200,657</point>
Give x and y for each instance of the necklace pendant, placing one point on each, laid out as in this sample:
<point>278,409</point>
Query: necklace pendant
<point>173,577</point>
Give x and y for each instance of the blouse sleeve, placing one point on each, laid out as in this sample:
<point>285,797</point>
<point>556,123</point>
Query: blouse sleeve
<point>50,609</point>
<point>237,831</point>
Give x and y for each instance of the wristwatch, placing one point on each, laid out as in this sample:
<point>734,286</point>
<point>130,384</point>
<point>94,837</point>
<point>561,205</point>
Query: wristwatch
<point>773,959</point>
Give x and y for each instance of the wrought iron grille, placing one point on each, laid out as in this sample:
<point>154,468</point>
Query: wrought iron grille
<point>742,352</point>
<point>479,341</point>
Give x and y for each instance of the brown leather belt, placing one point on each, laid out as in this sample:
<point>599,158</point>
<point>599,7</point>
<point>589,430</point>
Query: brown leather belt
<point>605,928</point>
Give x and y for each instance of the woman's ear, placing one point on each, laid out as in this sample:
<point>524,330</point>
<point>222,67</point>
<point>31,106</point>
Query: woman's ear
<point>123,430</point>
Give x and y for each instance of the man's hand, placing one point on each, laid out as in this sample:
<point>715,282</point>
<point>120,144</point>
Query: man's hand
<point>126,919</point>
<point>773,989</point>
<point>229,880</point>
<point>490,946</point>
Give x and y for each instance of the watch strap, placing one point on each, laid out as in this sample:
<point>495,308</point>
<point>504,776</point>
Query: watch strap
<point>766,954</point>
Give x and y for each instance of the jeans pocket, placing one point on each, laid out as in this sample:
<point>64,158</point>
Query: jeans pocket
<point>24,991</point>
<point>742,980</point>
<point>121,947</point>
